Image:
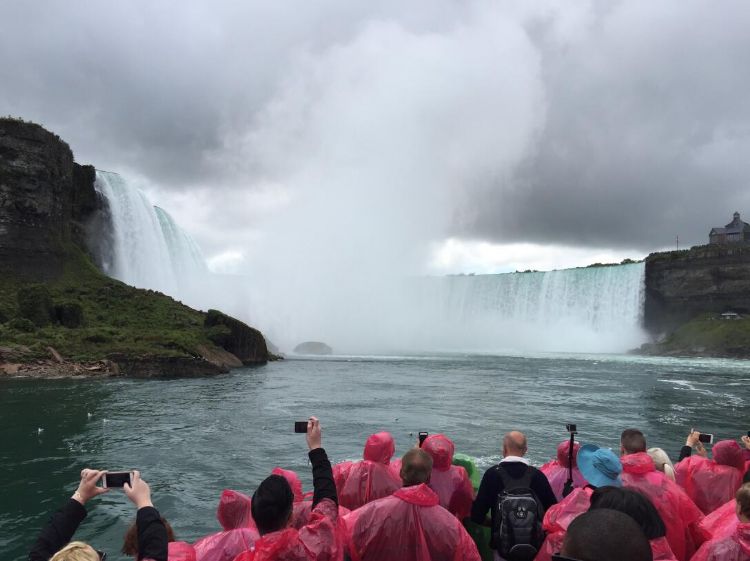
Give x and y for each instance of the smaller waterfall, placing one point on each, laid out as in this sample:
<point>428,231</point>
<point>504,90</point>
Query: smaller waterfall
<point>149,249</point>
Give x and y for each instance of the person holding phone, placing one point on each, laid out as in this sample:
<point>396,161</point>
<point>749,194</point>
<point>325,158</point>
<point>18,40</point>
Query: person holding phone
<point>711,482</point>
<point>272,507</point>
<point>53,543</point>
<point>678,511</point>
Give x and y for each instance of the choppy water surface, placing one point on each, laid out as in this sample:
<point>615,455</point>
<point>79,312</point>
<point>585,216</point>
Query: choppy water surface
<point>193,438</point>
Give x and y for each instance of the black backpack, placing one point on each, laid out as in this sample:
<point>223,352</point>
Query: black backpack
<point>517,528</point>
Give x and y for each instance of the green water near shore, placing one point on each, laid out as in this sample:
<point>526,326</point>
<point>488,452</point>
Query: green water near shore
<point>192,438</point>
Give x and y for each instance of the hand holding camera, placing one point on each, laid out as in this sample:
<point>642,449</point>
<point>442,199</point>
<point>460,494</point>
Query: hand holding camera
<point>138,491</point>
<point>314,436</point>
<point>88,488</point>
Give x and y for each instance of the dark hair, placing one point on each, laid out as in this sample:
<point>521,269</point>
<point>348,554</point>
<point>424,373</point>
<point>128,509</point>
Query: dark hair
<point>604,534</point>
<point>635,505</point>
<point>416,467</point>
<point>130,541</point>
<point>743,499</point>
<point>272,504</point>
<point>633,441</point>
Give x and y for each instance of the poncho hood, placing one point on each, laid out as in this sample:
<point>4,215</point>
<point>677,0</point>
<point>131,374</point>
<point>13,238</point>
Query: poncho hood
<point>379,448</point>
<point>441,448</point>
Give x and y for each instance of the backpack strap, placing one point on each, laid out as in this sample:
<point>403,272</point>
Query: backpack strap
<point>511,482</point>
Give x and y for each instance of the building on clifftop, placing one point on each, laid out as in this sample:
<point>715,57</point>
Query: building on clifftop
<point>735,232</point>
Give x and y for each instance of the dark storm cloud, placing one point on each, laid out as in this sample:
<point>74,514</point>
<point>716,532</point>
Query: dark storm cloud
<point>647,133</point>
<point>639,130</point>
<point>156,87</point>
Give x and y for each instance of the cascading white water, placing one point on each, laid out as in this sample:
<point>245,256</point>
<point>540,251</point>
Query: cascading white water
<point>596,309</point>
<point>149,249</point>
<point>584,309</point>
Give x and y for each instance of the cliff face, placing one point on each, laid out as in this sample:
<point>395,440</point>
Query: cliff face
<point>681,285</point>
<point>45,198</point>
<point>55,302</point>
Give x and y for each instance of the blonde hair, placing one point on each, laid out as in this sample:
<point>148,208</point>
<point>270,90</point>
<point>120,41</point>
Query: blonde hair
<point>662,462</point>
<point>76,551</point>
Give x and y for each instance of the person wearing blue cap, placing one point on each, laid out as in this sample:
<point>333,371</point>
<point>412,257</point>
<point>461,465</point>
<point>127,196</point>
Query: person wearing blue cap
<point>600,467</point>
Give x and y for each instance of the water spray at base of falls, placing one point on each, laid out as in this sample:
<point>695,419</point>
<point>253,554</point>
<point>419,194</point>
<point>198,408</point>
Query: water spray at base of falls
<point>593,309</point>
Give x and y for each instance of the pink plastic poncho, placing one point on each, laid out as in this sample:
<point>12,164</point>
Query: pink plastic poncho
<point>451,483</point>
<point>679,513</point>
<point>234,510</point>
<point>734,548</point>
<point>180,551</point>
<point>661,551</point>
<point>358,483</point>
<point>557,471</point>
<point>234,515</point>
<point>317,541</point>
<point>558,518</point>
<point>709,483</point>
<point>225,546</point>
<point>410,525</point>
<point>722,522</point>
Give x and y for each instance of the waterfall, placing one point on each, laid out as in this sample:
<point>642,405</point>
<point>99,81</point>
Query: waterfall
<point>594,309</point>
<point>148,249</point>
<point>584,309</point>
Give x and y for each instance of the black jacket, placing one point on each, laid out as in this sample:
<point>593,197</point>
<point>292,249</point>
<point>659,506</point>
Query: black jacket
<point>492,486</point>
<point>323,484</point>
<point>152,535</point>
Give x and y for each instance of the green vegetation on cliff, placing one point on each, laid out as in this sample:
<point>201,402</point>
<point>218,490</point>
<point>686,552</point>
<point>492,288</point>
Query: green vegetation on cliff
<point>86,315</point>
<point>706,335</point>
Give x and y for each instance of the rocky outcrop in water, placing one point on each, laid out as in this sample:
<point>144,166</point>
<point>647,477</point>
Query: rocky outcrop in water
<point>238,338</point>
<point>681,285</point>
<point>313,348</point>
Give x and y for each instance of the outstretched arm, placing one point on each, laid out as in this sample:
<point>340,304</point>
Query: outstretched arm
<point>323,484</point>
<point>152,535</point>
<point>63,524</point>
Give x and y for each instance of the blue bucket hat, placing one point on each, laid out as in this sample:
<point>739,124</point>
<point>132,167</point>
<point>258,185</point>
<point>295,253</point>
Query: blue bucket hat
<point>599,466</point>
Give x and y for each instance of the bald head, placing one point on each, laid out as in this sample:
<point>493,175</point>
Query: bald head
<point>514,444</point>
<point>416,467</point>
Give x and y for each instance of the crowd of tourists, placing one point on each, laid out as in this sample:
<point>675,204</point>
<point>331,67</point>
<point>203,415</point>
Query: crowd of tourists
<point>587,504</point>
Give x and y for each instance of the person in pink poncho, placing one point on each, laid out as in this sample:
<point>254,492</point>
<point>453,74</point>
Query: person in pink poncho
<point>711,483</point>
<point>600,467</point>
<point>640,509</point>
<point>272,511</point>
<point>680,514</point>
<point>409,525</point>
<point>735,547</point>
<point>358,483</point>
<point>451,483</point>
<point>558,470</point>
<point>238,529</point>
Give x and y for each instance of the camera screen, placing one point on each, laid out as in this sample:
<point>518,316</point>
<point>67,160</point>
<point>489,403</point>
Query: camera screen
<point>118,478</point>
<point>706,438</point>
<point>300,426</point>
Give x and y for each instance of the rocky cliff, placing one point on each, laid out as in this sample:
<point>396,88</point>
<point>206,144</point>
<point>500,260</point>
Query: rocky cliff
<point>45,198</point>
<point>59,315</point>
<point>681,285</point>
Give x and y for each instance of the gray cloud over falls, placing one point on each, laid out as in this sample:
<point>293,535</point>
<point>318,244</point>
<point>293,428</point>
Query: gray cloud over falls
<point>592,124</point>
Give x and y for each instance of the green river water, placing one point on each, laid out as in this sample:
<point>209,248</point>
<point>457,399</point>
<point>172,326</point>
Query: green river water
<point>191,438</point>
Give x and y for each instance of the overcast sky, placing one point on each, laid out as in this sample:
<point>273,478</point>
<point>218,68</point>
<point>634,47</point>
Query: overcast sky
<point>424,135</point>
